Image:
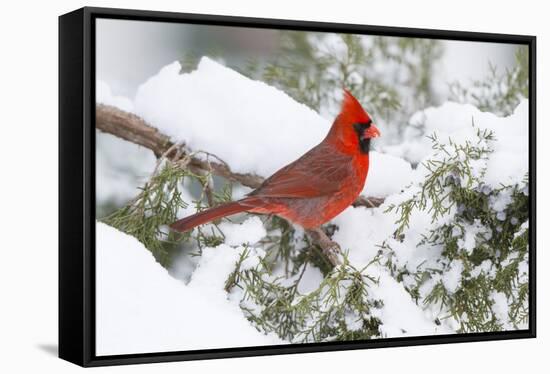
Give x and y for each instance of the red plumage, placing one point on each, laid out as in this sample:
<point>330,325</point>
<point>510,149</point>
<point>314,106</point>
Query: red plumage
<point>316,187</point>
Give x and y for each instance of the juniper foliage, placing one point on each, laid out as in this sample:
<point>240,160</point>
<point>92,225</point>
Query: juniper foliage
<point>340,308</point>
<point>147,216</point>
<point>483,246</point>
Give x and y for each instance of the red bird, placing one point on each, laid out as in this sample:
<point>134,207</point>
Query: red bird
<point>316,187</point>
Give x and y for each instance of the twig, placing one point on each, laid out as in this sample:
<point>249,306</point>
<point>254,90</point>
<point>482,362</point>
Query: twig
<point>132,128</point>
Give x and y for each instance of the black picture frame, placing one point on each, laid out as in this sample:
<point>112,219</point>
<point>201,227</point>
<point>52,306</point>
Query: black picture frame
<point>77,185</point>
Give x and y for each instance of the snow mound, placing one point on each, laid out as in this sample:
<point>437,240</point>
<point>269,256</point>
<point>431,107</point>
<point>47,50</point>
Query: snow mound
<point>141,308</point>
<point>248,124</point>
<point>387,175</point>
<point>400,315</point>
<point>248,232</point>
<point>460,122</point>
<point>104,95</point>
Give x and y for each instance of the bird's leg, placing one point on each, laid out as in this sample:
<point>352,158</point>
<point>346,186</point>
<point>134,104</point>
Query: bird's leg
<point>330,248</point>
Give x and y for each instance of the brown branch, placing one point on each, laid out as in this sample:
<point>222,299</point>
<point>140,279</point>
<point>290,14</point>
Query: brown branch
<point>369,202</point>
<point>134,129</point>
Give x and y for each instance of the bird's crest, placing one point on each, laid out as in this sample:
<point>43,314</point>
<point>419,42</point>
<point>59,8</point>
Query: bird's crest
<point>352,111</point>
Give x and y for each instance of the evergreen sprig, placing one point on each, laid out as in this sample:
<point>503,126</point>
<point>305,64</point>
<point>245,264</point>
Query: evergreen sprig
<point>338,309</point>
<point>494,264</point>
<point>449,178</point>
<point>147,216</point>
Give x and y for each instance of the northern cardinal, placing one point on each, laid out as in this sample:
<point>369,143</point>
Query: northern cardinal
<point>316,187</point>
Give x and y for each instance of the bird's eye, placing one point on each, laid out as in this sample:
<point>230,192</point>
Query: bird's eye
<point>360,127</point>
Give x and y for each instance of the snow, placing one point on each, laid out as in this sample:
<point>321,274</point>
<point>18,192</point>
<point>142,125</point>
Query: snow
<point>501,201</point>
<point>116,154</point>
<point>217,109</point>
<point>360,231</point>
<point>400,316</point>
<point>105,96</point>
<point>310,281</point>
<point>248,232</point>
<point>460,122</point>
<point>387,175</point>
<point>113,156</point>
<point>353,322</point>
<point>468,242</point>
<point>484,267</point>
<point>141,308</point>
<point>451,278</point>
<point>500,306</point>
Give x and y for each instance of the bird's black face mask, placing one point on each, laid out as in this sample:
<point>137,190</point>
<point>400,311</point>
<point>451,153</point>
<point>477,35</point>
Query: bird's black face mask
<point>364,141</point>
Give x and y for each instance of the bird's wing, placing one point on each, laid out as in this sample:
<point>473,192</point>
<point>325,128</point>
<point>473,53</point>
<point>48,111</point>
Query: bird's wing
<point>319,172</point>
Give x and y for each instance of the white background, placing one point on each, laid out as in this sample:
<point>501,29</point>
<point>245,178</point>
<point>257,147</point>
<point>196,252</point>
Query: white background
<point>28,187</point>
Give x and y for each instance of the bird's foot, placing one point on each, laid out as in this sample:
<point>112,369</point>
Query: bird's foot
<point>333,252</point>
<point>330,248</point>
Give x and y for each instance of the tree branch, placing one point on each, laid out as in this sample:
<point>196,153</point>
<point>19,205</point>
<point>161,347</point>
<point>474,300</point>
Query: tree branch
<point>134,129</point>
<point>369,202</point>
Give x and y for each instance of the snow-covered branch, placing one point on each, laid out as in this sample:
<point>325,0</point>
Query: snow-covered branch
<point>132,128</point>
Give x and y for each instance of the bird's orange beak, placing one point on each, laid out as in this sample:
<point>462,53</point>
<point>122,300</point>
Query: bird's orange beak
<point>372,132</point>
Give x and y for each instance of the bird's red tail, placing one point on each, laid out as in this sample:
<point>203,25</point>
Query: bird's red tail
<point>188,223</point>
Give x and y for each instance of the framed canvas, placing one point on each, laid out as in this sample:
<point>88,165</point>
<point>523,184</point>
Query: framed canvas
<point>236,186</point>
